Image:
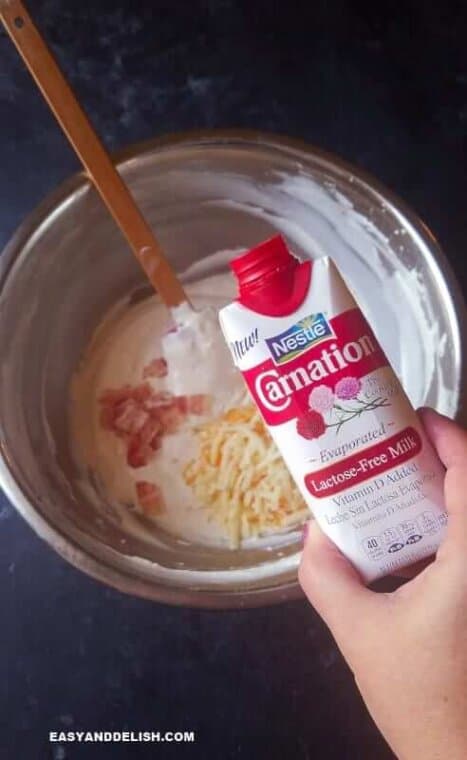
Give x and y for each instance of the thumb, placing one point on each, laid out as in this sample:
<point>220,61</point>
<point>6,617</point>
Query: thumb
<point>335,588</point>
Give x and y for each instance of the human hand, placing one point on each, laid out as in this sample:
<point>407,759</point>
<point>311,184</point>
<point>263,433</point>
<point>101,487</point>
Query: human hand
<point>407,649</point>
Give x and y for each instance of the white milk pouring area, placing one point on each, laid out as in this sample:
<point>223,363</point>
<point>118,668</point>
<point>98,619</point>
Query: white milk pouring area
<point>343,424</point>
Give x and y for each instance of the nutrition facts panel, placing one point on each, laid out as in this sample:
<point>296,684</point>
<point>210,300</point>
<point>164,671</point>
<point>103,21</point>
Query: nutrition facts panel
<point>406,533</point>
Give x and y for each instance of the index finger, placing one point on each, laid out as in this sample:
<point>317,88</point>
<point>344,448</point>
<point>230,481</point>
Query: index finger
<point>450,443</point>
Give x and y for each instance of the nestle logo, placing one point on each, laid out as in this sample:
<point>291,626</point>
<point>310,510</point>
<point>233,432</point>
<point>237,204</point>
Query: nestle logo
<point>299,338</point>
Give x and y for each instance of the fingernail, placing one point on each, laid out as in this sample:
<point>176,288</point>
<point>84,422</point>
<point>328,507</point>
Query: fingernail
<point>305,533</point>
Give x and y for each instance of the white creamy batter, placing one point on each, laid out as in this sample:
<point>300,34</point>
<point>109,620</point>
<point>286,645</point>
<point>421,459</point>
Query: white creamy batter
<point>124,344</point>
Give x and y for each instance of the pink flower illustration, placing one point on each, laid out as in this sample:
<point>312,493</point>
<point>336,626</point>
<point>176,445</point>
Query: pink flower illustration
<point>348,388</point>
<point>321,398</point>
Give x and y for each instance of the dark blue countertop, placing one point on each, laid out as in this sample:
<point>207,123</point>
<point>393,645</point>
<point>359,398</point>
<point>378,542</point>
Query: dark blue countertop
<point>385,87</point>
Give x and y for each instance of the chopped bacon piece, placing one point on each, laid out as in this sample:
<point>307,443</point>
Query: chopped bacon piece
<point>182,404</point>
<point>113,396</point>
<point>128,414</point>
<point>156,442</point>
<point>200,403</point>
<point>150,497</point>
<point>106,417</point>
<point>142,392</point>
<point>158,400</point>
<point>143,444</point>
<point>150,432</point>
<point>140,416</point>
<point>171,418</point>
<point>156,368</point>
<point>130,417</point>
<point>138,452</point>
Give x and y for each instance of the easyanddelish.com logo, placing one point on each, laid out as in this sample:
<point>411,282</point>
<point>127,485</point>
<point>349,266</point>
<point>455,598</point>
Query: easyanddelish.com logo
<point>117,737</point>
<point>299,338</point>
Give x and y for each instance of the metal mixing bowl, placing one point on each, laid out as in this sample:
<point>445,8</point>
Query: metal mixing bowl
<point>67,264</point>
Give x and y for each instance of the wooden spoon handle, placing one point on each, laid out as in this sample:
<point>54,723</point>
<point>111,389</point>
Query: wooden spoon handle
<point>94,157</point>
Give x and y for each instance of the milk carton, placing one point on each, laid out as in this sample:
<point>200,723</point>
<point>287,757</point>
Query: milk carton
<point>335,408</point>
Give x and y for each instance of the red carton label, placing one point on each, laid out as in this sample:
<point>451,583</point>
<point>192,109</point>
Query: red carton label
<point>368,463</point>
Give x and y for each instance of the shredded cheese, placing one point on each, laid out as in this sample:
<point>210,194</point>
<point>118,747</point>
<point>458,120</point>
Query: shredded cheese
<point>241,479</point>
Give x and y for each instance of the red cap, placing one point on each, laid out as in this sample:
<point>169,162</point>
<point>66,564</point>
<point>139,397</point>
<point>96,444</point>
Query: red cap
<point>259,262</point>
<point>271,280</point>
